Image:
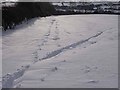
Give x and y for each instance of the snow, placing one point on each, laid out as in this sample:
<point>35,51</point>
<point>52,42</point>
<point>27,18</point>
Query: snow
<point>0,56</point>
<point>62,51</point>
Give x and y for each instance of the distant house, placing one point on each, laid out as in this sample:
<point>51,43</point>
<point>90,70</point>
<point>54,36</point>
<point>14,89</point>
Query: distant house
<point>7,3</point>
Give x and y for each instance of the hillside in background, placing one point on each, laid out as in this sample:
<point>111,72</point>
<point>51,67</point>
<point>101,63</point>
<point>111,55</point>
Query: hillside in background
<point>16,13</point>
<point>87,7</point>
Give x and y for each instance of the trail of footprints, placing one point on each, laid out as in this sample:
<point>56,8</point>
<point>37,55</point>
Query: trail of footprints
<point>8,80</point>
<point>53,29</point>
<point>74,45</point>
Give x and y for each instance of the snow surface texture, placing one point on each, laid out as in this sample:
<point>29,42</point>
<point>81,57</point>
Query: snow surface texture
<point>62,51</point>
<point>0,56</point>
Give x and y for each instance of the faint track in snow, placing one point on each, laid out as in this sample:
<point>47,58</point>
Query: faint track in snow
<point>8,81</point>
<point>44,41</point>
<point>56,52</point>
<point>51,35</point>
<point>47,35</point>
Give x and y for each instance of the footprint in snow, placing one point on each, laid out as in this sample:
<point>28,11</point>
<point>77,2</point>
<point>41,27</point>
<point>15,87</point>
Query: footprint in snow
<point>40,49</point>
<point>59,45</point>
<point>93,81</point>
<point>18,86</point>
<point>93,42</point>
<point>63,61</point>
<point>87,70</point>
<point>74,52</point>
<point>54,69</point>
<point>42,79</point>
<point>56,38</point>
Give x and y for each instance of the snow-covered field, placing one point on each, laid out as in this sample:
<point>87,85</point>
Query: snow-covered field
<point>79,51</point>
<point>0,56</point>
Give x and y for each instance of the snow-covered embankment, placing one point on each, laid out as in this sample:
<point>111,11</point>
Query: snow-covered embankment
<point>63,51</point>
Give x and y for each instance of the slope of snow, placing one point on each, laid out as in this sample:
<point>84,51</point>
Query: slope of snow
<point>0,56</point>
<point>62,51</point>
<point>20,44</point>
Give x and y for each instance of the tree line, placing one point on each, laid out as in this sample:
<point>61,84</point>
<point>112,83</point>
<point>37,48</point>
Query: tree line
<point>23,11</point>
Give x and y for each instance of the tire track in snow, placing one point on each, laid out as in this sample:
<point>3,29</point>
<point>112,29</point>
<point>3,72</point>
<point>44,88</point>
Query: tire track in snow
<point>8,81</point>
<point>56,52</point>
